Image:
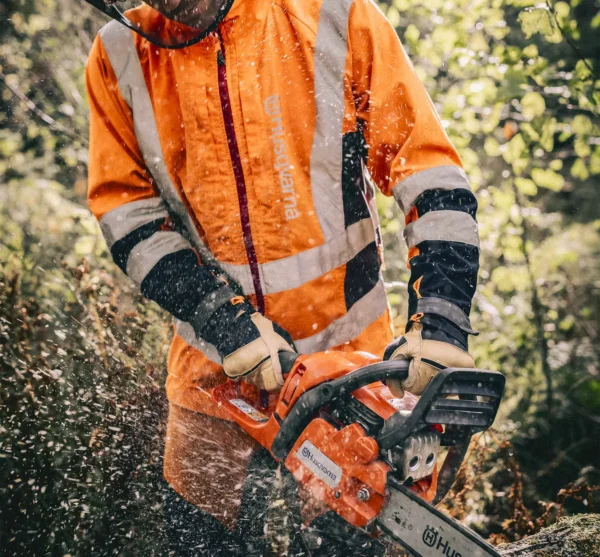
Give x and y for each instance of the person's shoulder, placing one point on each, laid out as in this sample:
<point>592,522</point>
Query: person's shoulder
<point>304,11</point>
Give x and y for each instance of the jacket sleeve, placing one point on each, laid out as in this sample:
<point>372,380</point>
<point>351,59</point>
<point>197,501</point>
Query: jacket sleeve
<point>142,237</point>
<point>411,157</point>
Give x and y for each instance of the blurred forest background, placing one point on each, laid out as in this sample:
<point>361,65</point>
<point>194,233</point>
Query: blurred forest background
<point>82,356</point>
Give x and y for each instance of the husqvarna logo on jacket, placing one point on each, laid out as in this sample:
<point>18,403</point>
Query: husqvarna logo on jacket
<point>282,166</point>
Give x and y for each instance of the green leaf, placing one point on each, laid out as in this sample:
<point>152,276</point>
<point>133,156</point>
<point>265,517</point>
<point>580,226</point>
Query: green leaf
<point>547,137</point>
<point>595,163</point>
<point>393,16</point>
<point>491,147</point>
<point>562,9</point>
<point>526,186</point>
<point>547,179</point>
<point>529,130</point>
<point>582,71</point>
<point>579,170</point>
<point>582,148</point>
<point>412,34</point>
<point>539,20</point>
<point>582,125</point>
<point>516,147</point>
<point>533,105</point>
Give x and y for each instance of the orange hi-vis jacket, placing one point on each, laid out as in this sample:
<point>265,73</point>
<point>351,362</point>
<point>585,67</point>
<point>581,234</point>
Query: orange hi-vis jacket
<point>254,152</point>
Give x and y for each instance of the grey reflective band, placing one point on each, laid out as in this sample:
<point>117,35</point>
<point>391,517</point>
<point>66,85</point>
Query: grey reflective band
<point>350,325</point>
<point>446,309</point>
<point>145,255</point>
<point>326,155</point>
<point>448,226</point>
<point>448,177</point>
<point>296,270</point>
<point>119,45</point>
<point>207,307</point>
<point>123,220</point>
<point>186,332</point>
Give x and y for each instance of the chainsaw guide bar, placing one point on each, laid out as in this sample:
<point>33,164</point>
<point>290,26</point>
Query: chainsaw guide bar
<point>426,532</point>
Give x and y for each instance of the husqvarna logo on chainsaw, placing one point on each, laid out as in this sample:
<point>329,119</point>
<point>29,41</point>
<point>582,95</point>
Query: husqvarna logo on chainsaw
<point>319,464</point>
<point>432,538</point>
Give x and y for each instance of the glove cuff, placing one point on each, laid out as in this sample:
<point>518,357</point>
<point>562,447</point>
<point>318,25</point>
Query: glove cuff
<point>436,327</point>
<point>448,310</point>
<point>229,327</point>
<point>208,306</point>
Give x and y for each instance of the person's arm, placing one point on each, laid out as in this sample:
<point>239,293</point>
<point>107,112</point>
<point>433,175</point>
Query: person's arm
<point>146,244</point>
<point>411,157</point>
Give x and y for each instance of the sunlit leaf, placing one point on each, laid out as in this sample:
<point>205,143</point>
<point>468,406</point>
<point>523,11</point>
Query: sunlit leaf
<point>548,179</point>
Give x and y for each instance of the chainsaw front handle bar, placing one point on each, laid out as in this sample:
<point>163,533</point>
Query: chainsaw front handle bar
<point>313,400</point>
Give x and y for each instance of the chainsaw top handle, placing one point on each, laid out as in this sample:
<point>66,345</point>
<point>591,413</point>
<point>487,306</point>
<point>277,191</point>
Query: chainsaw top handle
<point>313,400</point>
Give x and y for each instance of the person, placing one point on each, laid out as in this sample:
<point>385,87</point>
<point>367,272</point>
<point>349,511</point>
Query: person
<point>235,147</point>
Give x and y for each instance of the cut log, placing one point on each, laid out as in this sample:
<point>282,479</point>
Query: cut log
<point>573,536</point>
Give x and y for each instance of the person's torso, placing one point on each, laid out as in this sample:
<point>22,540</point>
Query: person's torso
<point>258,132</point>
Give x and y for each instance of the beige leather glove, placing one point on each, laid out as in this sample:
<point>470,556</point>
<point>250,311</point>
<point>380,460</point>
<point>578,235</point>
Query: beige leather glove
<point>257,362</point>
<point>427,358</point>
<point>247,341</point>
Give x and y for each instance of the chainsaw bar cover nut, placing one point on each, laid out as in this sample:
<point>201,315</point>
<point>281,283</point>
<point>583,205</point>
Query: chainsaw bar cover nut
<point>363,494</point>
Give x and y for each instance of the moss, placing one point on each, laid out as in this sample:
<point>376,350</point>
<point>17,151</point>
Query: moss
<point>574,536</point>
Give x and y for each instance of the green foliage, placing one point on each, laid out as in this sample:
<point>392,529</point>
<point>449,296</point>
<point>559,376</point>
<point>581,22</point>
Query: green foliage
<point>43,111</point>
<point>514,85</point>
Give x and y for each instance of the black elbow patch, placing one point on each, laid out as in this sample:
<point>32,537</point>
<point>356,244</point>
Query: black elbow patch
<point>459,199</point>
<point>178,283</point>
<point>121,249</point>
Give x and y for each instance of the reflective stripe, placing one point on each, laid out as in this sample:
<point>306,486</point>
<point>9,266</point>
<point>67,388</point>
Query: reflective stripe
<point>446,309</point>
<point>186,332</point>
<point>408,190</point>
<point>145,255</point>
<point>346,328</point>
<point>449,226</point>
<point>326,156</point>
<point>119,222</point>
<point>120,48</point>
<point>296,270</point>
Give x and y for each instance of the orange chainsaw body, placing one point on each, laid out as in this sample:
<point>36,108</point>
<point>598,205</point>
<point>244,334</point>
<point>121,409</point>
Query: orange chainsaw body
<point>352,479</point>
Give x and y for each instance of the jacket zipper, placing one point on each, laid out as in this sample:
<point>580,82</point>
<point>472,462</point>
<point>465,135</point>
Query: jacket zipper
<point>238,173</point>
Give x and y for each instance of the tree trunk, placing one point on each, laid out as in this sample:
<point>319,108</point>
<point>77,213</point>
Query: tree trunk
<point>573,536</point>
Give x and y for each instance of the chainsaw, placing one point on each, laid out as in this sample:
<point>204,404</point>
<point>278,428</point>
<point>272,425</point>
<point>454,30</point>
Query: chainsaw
<point>374,459</point>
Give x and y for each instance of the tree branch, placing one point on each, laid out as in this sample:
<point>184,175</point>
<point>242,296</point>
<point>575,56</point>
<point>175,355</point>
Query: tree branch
<point>48,120</point>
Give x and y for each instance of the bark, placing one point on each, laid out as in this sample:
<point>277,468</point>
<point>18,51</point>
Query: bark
<point>574,536</point>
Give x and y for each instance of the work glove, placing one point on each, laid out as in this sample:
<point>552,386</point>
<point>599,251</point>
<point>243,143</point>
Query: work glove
<point>248,343</point>
<point>429,349</point>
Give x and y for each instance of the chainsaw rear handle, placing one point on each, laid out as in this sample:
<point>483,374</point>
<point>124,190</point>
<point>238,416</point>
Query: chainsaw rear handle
<point>311,401</point>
